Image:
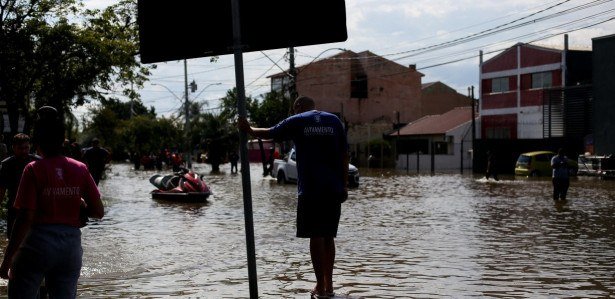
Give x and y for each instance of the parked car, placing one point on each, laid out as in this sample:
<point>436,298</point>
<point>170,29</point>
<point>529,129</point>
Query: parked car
<point>285,170</point>
<point>538,163</point>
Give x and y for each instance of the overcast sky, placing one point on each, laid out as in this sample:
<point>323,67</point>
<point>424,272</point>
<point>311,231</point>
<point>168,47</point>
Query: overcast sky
<point>442,38</point>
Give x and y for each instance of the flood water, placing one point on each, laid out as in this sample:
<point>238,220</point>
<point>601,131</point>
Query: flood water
<point>400,236</point>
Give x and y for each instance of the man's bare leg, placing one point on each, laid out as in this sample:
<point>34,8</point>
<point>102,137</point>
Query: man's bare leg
<point>322,251</point>
<point>317,252</point>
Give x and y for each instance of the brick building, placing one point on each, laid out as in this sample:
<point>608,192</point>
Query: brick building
<point>513,86</point>
<point>534,98</point>
<point>373,95</point>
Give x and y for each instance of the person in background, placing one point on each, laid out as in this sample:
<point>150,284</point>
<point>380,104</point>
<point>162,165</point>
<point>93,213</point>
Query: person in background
<point>4,151</point>
<point>10,175</point>
<point>561,178</point>
<point>234,158</point>
<point>96,158</point>
<point>322,167</point>
<point>491,167</point>
<point>46,239</point>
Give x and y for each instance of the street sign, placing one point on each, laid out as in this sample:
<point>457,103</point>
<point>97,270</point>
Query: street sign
<point>183,29</point>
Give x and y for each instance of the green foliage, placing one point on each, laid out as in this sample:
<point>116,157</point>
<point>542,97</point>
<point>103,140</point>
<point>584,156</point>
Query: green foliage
<point>273,108</point>
<point>228,105</point>
<point>124,132</point>
<point>54,52</point>
<point>145,134</point>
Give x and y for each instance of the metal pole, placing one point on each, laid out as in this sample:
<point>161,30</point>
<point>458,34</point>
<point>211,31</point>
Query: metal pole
<point>461,154</point>
<point>418,157</point>
<point>243,150</point>
<point>397,141</point>
<point>293,75</point>
<point>407,162</point>
<point>433,149</point>
<point>473,126</point>
<point>187,111</point>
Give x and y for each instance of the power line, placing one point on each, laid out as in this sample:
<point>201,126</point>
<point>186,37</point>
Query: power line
<point>473,56</point>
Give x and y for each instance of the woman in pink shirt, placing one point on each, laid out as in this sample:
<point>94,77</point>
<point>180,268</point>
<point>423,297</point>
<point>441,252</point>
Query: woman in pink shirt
<point>46,238</point>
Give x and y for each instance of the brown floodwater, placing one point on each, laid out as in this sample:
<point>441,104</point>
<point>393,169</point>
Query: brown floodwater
<point>400,236</point>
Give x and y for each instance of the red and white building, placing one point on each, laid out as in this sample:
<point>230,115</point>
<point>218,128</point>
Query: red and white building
<point>513,84</point>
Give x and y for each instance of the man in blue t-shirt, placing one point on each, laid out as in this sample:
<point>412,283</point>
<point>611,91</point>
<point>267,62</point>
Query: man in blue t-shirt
<point>561,179</point>
<point>322,175</point>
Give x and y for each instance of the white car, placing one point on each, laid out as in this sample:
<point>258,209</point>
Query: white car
<point>285,170</point>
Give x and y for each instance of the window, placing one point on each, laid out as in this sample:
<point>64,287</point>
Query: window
<point>279,83</point>
<point>543,158</point>
<point>497,133</point>
<point>499,84</point>
<point>440,148</point>
<point>358,87</point>
<point>542,80</point>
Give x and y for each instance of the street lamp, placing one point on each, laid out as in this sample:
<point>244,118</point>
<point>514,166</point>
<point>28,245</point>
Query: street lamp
<point>212,84</point>
<point>173,93</point>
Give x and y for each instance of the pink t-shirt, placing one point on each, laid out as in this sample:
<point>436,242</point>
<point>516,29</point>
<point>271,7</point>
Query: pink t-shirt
<point>53,187</point>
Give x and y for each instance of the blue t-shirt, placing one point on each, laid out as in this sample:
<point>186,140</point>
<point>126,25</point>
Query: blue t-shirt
<point>560,167</point>
<point>320,143</point>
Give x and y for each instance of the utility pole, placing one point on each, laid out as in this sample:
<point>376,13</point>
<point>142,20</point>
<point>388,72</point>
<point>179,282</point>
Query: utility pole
<point>471,95</point>
<point>292,71</point>
<point>187,116</point>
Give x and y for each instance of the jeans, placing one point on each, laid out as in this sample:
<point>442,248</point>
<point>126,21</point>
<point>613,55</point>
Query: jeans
<point>50,251</point>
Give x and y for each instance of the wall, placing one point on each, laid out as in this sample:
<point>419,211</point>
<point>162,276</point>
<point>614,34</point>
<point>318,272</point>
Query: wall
<point>604,94</point>
<point>439,98</point>
<point>461,135</point>
<point>530,123</point>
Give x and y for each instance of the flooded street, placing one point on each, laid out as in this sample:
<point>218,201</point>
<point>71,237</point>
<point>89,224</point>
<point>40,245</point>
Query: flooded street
<point>400,236</point>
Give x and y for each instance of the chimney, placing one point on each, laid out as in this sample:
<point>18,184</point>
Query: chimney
<point>412,67</point>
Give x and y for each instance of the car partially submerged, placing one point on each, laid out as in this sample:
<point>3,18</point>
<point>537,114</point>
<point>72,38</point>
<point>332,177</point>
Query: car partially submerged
<point>285,170</point>
<point>538,163</point>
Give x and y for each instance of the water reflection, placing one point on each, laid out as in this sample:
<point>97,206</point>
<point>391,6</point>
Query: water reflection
<point>401,236</point>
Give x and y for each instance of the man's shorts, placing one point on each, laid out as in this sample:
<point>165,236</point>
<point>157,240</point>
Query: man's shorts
<point>318,216</point>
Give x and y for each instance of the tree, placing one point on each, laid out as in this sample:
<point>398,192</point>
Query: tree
<point>48,58</point>
<point>272,109</point>
<point>228,105</point>
<point>127,131</point>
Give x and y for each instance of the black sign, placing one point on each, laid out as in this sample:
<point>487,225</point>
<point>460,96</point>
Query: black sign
<point>182,29</point>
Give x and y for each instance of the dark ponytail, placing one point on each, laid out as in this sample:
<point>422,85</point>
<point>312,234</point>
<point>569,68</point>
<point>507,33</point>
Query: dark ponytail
<point>49,131</point>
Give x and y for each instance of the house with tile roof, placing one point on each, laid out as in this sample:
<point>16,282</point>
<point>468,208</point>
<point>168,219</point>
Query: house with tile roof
<point>436,143</point>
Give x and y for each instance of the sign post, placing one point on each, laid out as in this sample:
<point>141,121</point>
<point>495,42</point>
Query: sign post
<point>243,151</point>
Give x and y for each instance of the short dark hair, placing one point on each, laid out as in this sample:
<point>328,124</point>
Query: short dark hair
<point>20,138</point>
<point>306,103</point>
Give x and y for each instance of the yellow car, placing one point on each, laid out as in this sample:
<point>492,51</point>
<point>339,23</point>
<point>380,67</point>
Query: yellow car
<point>538,163</point>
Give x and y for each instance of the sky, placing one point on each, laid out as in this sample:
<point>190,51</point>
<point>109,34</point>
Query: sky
<point>443,38</point>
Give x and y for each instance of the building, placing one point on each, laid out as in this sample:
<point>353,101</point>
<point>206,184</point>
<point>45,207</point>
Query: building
<point>371,94</point>
<point>514,84</point>
<point>437,143</point>
<point>604,91</point>
<point>534,98</point>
